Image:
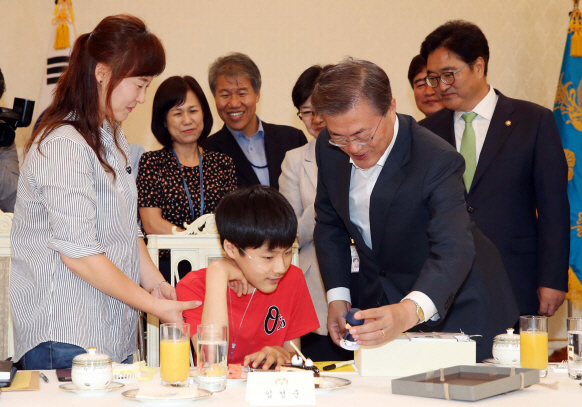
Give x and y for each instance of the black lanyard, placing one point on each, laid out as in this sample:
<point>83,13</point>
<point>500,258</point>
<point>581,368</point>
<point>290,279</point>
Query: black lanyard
<point>186,186</point>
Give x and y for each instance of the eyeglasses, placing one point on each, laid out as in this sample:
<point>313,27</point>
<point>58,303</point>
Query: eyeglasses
<point>305,114</point>
<point>343,141</point>
<point>448,78</point>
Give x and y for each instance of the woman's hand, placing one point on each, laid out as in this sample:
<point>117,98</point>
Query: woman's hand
<point>268,355</point>
<point>169,311</point>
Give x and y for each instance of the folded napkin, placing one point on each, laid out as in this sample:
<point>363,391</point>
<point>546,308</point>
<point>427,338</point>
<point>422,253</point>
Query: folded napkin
<point>154,390</point>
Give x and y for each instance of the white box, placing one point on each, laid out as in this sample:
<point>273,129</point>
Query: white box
<point>414,353</point>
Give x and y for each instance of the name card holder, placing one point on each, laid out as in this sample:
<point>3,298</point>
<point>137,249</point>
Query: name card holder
<point>280,389</point>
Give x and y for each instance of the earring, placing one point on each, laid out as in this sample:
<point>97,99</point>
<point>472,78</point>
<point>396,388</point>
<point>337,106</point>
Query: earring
<point>100,81</point>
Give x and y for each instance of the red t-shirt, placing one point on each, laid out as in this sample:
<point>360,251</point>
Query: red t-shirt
<point>271,319</point>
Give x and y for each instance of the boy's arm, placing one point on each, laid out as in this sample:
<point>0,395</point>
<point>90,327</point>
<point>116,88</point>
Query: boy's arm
<point>218,274</point>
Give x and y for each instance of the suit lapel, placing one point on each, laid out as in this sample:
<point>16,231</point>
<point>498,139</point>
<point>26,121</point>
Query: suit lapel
<point>447,127</point>
<point>271,150</point>
<point>309,164</point>
<point>231,148</point>
<point>388,182</point>
<point>496,136</point>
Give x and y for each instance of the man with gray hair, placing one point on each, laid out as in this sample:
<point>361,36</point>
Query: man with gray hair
<point>256,148</point>
<point>396,189</point>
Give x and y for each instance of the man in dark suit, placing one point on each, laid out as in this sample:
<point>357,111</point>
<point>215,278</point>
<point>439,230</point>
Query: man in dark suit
<point>257,148</point>
<point>516,171</point>
<point>396,188</point>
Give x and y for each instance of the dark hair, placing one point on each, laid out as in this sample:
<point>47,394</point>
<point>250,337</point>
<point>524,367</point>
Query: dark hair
<point>172,92</point>
<point>340,87</point>
<point>304,86</point>
<point>250,217</point>
<point>124,44</point>
<point>231,65</point>
<point>460,37</point>
<point>417,64</point>
<point>2,84</point>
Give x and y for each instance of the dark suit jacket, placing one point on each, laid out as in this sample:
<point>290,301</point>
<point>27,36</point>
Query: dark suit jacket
<point>422,237</point>
<point>522,168</point>
<point>278,140</point>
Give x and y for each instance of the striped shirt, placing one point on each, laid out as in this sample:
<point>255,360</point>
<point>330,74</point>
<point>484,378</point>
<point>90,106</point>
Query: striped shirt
<point>67,203</point>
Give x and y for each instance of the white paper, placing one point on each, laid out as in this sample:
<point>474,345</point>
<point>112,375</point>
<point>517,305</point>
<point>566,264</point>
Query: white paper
<point>280,389</point>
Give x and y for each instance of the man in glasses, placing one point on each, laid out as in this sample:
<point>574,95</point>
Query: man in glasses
<point>516,172</point>
<point>396,189</point>
<point>424,96</point>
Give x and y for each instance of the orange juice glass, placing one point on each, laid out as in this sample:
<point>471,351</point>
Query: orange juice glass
<point>534,343</point>
<point>175,354</point>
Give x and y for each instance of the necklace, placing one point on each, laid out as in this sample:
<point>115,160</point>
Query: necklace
<point>231,353</point>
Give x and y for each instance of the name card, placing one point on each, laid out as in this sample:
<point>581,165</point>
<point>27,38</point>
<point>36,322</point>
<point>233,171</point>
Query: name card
<point>280,389</point>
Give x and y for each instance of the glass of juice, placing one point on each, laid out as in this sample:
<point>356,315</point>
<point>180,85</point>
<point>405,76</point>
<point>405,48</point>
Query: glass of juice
<point>534,343</point>
<point>175,354</point>
<point>211,357</point>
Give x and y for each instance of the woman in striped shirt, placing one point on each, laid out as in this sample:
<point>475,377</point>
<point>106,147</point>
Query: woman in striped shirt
<point>78,256</point>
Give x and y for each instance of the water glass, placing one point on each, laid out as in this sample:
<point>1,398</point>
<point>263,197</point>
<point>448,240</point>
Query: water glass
<point>575,348</point>
<point>534,343</point>
<point>211,351</point>
<point>175,354</point>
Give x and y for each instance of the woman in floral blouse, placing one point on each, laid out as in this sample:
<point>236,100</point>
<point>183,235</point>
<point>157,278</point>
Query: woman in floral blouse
<point>172,190</point>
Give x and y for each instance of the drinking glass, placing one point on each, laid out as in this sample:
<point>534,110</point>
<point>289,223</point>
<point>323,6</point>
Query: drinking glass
<point>534,343</point>
<point>211,357</point>
<point>175,354</point>
<point>575,348</point>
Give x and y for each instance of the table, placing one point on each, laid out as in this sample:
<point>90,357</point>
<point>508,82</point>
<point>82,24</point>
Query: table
<point>364,391</point>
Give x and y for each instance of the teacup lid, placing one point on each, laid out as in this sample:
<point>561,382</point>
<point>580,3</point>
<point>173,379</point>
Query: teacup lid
<point>508,337</point>
<point>91,358</point>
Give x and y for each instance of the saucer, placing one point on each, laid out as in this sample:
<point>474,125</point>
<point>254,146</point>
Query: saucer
<point>495,362</point>
<point>71,388</point>
<point>235,382</point>
<point>329,383</point>
<point>131,395</point>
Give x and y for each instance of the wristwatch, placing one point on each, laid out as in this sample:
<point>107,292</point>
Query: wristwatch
<point>419,311</point>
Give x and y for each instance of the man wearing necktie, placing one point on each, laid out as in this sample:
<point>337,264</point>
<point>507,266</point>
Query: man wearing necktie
<point>516,171</point>
<point>397,190</point>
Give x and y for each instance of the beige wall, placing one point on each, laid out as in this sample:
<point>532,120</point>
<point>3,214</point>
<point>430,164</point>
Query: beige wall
<point>526,38</point>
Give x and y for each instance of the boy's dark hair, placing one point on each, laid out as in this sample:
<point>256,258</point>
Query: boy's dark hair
<point>254,216</point>
<point>460,37</point>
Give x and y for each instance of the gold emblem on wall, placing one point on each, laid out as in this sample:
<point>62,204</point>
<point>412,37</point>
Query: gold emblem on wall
<point>569,102</point>
<point>571,160</point>
<point>578,225</point>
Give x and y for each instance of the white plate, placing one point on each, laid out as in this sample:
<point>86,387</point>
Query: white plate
<point>235,382</point>
<point>494,362</point>
<point>131,395</point>
<point>330,383</point>
<point>70,387</point>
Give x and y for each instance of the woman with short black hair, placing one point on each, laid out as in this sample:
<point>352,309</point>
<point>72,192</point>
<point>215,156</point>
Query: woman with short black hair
<point>180,182</point>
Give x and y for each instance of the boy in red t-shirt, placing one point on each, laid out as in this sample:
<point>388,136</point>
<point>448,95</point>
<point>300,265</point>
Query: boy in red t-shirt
<point>255,291</point>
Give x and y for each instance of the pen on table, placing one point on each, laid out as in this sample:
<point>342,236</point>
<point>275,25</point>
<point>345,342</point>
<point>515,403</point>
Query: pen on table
<point>43,377</point>
<point>336,365</point>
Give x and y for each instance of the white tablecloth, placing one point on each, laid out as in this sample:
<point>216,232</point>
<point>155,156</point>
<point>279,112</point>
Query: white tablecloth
<point>363,392</point>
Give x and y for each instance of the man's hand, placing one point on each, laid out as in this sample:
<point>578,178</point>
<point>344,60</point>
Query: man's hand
<point>385,323</point>
<point>270,355</point>
<point>550,300</point>
<point>336,324</point>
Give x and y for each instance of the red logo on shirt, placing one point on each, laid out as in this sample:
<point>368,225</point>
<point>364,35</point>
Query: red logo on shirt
<point>274,320</point>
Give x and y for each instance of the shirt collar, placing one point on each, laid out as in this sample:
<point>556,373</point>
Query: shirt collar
<point>384,157</point>
<point>237,134</point>
<point>485,108</point>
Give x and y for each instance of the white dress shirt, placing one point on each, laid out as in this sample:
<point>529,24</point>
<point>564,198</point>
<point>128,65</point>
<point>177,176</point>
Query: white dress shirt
<point>484,111</point>
<point>362,184</point>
